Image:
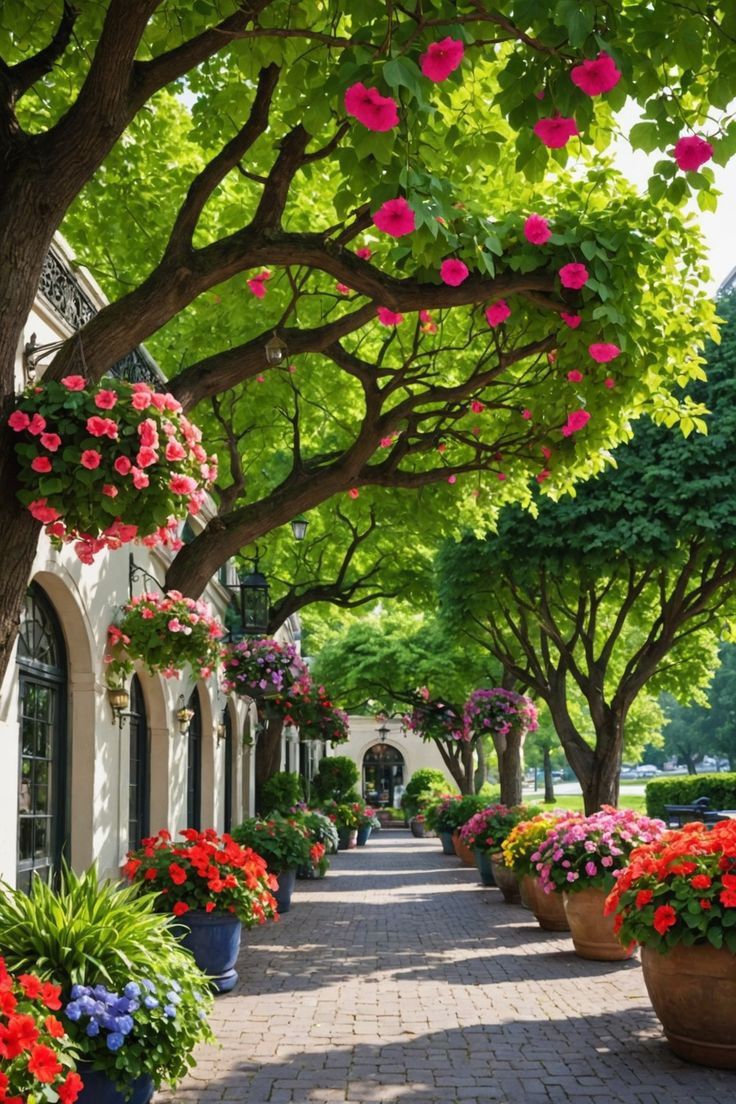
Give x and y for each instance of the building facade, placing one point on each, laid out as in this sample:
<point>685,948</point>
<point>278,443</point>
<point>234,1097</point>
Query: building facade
<point>386,756</point>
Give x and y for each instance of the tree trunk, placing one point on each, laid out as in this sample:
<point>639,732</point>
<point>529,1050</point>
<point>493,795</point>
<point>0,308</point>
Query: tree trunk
<point>508,750</point>
<point>549,786</point>
<point>481,770</point>
<point>268,750</point>
<point>601,787</point>
<point>690,762</point>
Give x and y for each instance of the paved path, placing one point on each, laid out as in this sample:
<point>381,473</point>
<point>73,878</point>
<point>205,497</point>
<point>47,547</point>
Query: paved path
<point>399,979</point>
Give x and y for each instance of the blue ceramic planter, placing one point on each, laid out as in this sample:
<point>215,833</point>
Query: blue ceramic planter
<point>448,847</point>
<point>483,862</point>
<point>214,940</point>
<point>287,880</point>
<point>364,834</point>
<point>99,1089</point>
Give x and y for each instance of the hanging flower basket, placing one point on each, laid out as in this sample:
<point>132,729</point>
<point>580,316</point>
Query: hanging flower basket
<point>499,712</point>
<point>167,632</point>
<point>261,668</point>
<point>309,708</point>
<point>433,719</point>
<point>104,464</point>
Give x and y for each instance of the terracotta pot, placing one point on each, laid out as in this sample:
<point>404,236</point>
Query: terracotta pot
<point>548,908</point>
<point>465,853</point>
<point>693,991</point>
<point>526,892</point>
<point>592,932</point>
<point>506,880</point>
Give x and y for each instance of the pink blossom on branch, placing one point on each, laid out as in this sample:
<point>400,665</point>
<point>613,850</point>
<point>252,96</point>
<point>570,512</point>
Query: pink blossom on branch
<point>369,107</point>
<point>536,230</point>
<point>571,320</point>
<point>555,131</point>
<point>576,420</point>
<point>692,152</point>
<point>388,317</point>
<point>574,275</point>
<point>497,313</point>
<point>442,58</point>
<point>257,284</point>
<point>365,252</point>
<point>575,376</point>
<point>453,272</point>
<point>603,352</point>
<point>395,217</point>
<point>596,75</point>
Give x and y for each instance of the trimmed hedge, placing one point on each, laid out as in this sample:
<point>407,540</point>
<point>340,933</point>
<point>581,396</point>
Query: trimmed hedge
<point>686,788</point>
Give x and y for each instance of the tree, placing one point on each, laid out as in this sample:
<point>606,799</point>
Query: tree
<point>708,726</point>
<point>624,587</point>
<point>187,144</point>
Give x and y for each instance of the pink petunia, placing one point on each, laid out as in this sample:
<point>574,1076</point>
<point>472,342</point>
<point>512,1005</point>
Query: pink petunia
<point>19,421</point>
<point>536,230</point>
<point>105,400</point>
<point>575,376</point>
<point>442,58</point>
<point>387,442</point>
<point>395,217</point>
<point>595,76</point>
<point>141,400</point>
<point>50,441</point>
<point>101,427</point>
<point>365,253</point>
<point>388,317</point>
<point>41,512</point>
<point>574,275</point>
<point>571,320</point>
<point>110,490</point>
<point>146,456</point>
<point>692,152</point>
<point>604,352</point>
<point>140,479</point>
<point>526,415</point>
<point>609,382</point>
<point>74,383</point>
<point>369,107</point>
<point>122,465</point>
<point>257,284</point>
<point>175,451</point>
<point>90,459</point>
<point>41,464</point>
<point>452,479</point>
<point>556,131</point>
<point>182,484</point>
<point>576,420</point>
<point>37,424</point>
<point>497,313</point>
<point>453,272</point>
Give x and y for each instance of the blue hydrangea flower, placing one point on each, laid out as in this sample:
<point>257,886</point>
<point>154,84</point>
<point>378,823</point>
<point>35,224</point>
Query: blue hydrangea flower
<point>124,1024</point>
<point>92,1029</point>
<point>132,990</point>
<point>150,1002</point>
<point>170,1011</point>
<point>114,1040</point>
<point>77,991</point>
<point>73,1011</point>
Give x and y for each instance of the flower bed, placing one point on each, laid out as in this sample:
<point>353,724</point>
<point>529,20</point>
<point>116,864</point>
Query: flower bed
<point>166,632</point>
<point>101,465</point>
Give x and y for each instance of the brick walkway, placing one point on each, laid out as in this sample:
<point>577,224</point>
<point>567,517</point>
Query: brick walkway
<point>399,979</point>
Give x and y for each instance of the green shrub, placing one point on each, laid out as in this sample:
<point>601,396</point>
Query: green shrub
<point>686,788</point>
<point>281,793</point>
<point>421,783</point>
<point>335,778</point>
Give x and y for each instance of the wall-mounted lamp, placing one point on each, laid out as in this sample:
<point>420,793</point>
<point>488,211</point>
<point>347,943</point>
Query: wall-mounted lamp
<point>119,700</point>
<point>299,527</point>
<point>220,731</point>
<point>383,732</point>
<point>275,349</point>
<point>183,715</point>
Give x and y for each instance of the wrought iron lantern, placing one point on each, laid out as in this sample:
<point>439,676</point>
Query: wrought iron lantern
<point>251,594</point>
<point>299,527</point>
<point>384,731</point>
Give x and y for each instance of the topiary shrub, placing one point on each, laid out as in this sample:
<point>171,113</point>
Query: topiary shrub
<point>686,788</point>
<point>335,778</point>
<point>281,793</point>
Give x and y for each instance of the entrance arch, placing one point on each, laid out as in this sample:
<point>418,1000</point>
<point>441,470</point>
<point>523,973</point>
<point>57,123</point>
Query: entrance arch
<point>383,772</point>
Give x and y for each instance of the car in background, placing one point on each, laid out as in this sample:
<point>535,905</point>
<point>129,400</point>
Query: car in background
<point>646,770</point>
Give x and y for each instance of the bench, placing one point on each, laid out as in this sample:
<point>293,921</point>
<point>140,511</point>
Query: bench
<point>677,815</point>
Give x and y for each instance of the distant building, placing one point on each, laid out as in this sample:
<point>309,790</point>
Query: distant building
<point>387,760</point>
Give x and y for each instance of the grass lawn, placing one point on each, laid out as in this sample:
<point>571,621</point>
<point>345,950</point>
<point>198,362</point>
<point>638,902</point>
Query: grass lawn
<point>575,801</point>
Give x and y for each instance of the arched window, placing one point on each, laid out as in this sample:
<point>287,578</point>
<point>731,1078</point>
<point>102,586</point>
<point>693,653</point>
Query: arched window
<point>383,771</point>
<point>138,777</point>
<point>227,780</point>
<point>194,763</point>
<point>43,778</point>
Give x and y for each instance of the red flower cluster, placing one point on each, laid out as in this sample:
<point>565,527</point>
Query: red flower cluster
<point>34,1047</point>
<point>206,872</point>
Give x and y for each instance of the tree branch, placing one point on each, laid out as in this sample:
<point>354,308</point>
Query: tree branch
<point>24,75</point>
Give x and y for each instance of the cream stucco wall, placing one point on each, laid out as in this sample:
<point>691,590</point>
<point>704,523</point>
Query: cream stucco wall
<point>416,753</point>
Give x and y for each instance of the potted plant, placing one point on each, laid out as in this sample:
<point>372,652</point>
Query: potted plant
<point>367,821</point>
<point>517,849</point>
<point>345,818</point>
<point>581,858</point>
<point>104,464</point>
<point>260,668</point>
<point>100,935</point>
<point>335,780</point>
<point>42,1058</point>
<point>282,793</point>
<point>165,631</point>
<point>213,882</point>
<point>677,899</point>
<point>485,833</point>
<point>323,834</point>
<point>285,845</point>
<point>466,807</point>
<point>442,817</point>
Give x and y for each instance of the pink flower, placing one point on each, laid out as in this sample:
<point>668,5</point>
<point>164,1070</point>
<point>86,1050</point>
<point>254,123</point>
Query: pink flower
<point>571,320</point>
<point>105,400</point>
<point>74,383</point>
<point>596,75</point>
<point>50,441</point>
<point>575,376</point>
<point>141,400</point>
<point>388,317</point>
<point>41,512</point>
<point>146,456</point>
<point>369,107</point>
<point>442,58</point>
<point>182,484</point>
<point>556,131</point>
<point>387,442</point>
<point>452,479</point>
<point>526,415</point>
<point>604,352</point>
<point>546,452</point>
<point>175,451</point>
<point>37,425</point>
<point>41,464</point>
<point>19,421</point>
<point>102,427</point>
<point>453,272</point>
<point>477,406</point>
<point>90,458</point>
<point>574,275</point>
<point>174,625</point>
<point>395,217</point>
<point>576,420</point>
<point>536,230</point>
<point>500,476</point>
<point>543,474</point>
<point>110,490</point>
<point>692,152</point>
<point>122,465</point>
<point>148,433</point>
<point>353,492</point>
<point>257,284</point>
<point>497,313</point>
<point>365,253</point>
<point>140,479</point>
<point>85,550</point>
<point>343,289</point>
<point>609,382</point>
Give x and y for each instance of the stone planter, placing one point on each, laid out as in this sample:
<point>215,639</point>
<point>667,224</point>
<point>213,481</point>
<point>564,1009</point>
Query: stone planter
<point>347,838</point>
<point>483,864</point>
<point>448,847</point>
<point>506,880</point>
<point>591,931</point>
<point>463,851</point>
<point>548,908</point>
<point>693,992</point>
<point>287,881</point>
<point>214,940</point>
<point>364,834</point>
